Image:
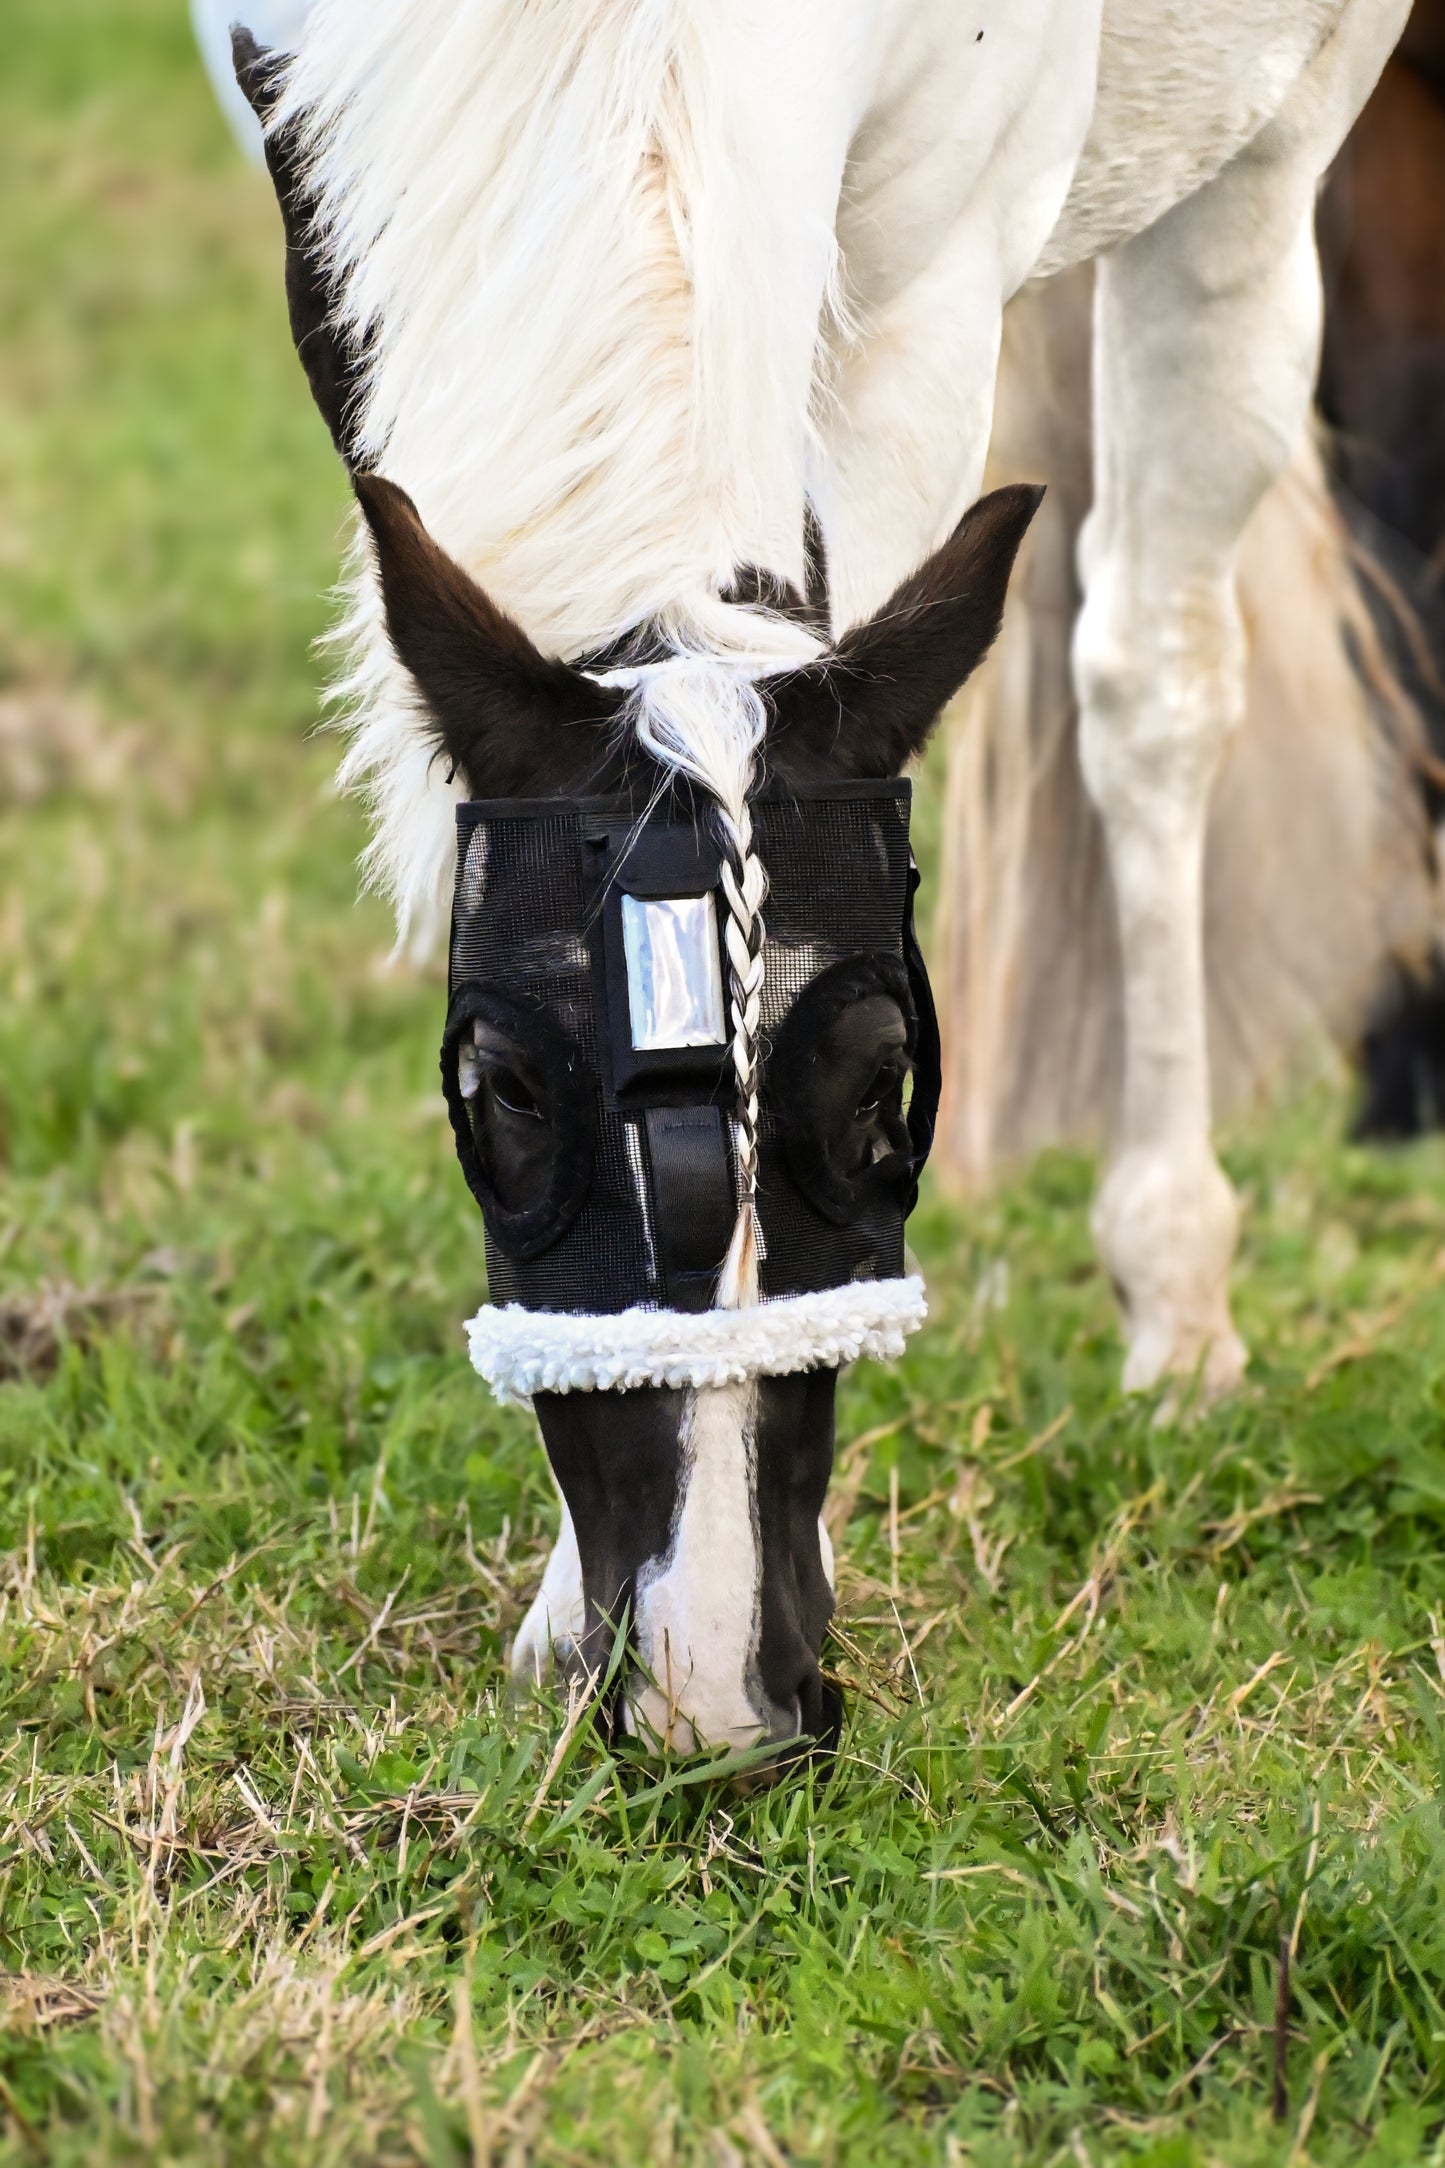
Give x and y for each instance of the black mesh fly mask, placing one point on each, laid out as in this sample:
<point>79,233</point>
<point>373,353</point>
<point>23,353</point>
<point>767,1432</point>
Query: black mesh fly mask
<point>587,1074</point>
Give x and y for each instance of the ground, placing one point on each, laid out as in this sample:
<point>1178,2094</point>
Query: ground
<point>1133,1850</point>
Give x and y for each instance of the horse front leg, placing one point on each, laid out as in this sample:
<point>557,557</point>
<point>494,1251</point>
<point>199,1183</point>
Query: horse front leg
<point>1206,333</point>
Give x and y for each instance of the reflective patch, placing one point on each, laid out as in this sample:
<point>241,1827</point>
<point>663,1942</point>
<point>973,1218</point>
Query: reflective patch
<point>674,972</point>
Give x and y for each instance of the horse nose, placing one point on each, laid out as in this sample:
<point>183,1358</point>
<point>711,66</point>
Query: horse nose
<point>806,1718</point>
<point>783,1729</point>
<point>798,1701</point>
<point>783,1721</point>
<point>808,1722</point>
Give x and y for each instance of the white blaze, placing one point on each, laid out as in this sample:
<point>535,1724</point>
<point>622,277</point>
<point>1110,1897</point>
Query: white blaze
<point>557,1615</point>
<point>699,1606</point>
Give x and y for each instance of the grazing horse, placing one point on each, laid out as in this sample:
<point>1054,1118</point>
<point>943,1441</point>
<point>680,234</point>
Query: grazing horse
<point>674,329</point>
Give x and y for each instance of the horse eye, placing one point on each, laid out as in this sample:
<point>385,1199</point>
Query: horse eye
<point>881,1089</point>
<point>512,1095</point>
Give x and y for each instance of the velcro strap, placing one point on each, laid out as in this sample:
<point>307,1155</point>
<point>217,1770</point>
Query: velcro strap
<point>693,1206</point>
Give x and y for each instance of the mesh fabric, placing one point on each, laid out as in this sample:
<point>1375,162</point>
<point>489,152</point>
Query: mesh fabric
<point>837,861</point>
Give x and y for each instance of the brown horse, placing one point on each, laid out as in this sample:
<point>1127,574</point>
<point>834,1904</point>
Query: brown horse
<point>1382,392</point>
<point>1382,252</point>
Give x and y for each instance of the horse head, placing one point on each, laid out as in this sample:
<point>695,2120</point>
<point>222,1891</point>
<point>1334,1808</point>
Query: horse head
<point>599,981</point>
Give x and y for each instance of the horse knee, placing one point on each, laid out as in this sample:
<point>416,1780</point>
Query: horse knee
<point>1160,683</point>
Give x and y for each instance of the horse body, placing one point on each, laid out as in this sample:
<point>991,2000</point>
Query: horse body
<point>704,302</point>
<point>1180,92</point>
<point>1382,396</point>
<point>657,306</point>
<point>1383,248</point>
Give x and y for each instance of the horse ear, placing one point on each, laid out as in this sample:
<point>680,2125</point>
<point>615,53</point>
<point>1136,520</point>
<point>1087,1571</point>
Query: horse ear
<point>331,360</point>
<point>511,722</point>
<point>867,709</point>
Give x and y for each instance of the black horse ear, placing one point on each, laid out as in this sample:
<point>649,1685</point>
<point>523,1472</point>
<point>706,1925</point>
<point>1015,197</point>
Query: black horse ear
<point>867,708</point>
<point>332,362</point>
<point>511,721</point>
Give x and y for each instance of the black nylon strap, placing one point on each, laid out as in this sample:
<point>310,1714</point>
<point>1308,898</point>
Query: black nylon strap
<point>928,1055</point>
<point>693,1207</point>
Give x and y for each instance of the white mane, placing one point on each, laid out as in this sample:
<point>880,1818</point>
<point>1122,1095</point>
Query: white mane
<point>586,363</point>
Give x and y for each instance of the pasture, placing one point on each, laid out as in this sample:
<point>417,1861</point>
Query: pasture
<point>1134,1848</point>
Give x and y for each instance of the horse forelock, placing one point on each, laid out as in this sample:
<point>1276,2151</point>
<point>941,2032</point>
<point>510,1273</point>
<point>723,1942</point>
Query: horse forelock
<point>587,253</point>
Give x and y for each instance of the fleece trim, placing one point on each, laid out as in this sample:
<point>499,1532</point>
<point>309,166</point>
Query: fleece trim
<point>520,1352</point>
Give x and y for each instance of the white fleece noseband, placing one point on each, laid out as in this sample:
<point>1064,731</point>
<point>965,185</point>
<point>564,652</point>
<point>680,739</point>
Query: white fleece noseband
<point>520,1352</point>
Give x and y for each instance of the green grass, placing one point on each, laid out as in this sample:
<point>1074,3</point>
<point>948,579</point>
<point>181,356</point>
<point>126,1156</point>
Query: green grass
<point>284,1876</point>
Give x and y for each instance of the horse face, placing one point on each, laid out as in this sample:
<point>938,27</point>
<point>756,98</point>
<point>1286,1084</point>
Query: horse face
<point>591,1065</point>
<point>696,1517</point>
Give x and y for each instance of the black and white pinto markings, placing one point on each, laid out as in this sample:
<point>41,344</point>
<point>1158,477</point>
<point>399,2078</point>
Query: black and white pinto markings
<point>679,325</point>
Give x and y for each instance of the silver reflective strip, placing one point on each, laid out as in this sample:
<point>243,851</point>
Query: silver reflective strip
<point>674,974</point>
<point>632,1139</point>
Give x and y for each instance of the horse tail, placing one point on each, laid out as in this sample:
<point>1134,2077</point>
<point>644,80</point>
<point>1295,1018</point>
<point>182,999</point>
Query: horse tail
<point>1319,880</point>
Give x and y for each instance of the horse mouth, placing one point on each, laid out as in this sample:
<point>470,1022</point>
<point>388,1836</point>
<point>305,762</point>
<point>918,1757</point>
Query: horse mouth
<point>794,1738</point>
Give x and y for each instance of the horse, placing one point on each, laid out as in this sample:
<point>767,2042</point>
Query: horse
<point>675,333</point>
<point>1321,884</point>
<point>1382,246</point>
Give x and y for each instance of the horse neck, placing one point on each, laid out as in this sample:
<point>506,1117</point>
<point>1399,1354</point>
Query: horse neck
<point>589,259</point>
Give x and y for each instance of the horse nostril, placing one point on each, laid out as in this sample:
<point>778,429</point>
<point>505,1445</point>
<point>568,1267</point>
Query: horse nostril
<point>762,1778</point>
<point>809,1723</point>
<point>820,1711</point>
<point>782,1726</point>
<point>786,1722</point>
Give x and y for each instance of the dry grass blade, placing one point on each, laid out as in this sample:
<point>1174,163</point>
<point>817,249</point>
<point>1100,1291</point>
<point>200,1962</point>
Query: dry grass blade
<point>29,2000</point>
<point>1256,1678</point>
<point>34,1327</point>
<point>579,1697</point>
<point>1368,1333</point>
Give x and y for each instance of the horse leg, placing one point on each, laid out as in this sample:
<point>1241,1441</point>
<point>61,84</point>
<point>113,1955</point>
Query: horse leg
<point>1206,334</point>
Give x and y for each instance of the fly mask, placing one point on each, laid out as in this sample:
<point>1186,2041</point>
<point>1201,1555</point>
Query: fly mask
<point>587,1073</point>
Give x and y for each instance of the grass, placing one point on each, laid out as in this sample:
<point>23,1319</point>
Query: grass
<point>284,1875</point>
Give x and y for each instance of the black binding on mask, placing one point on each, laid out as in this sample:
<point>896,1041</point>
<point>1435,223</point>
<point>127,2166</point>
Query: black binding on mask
<point>928,1050</point>
<point>798,1064</point>
<point>550,1070</point>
